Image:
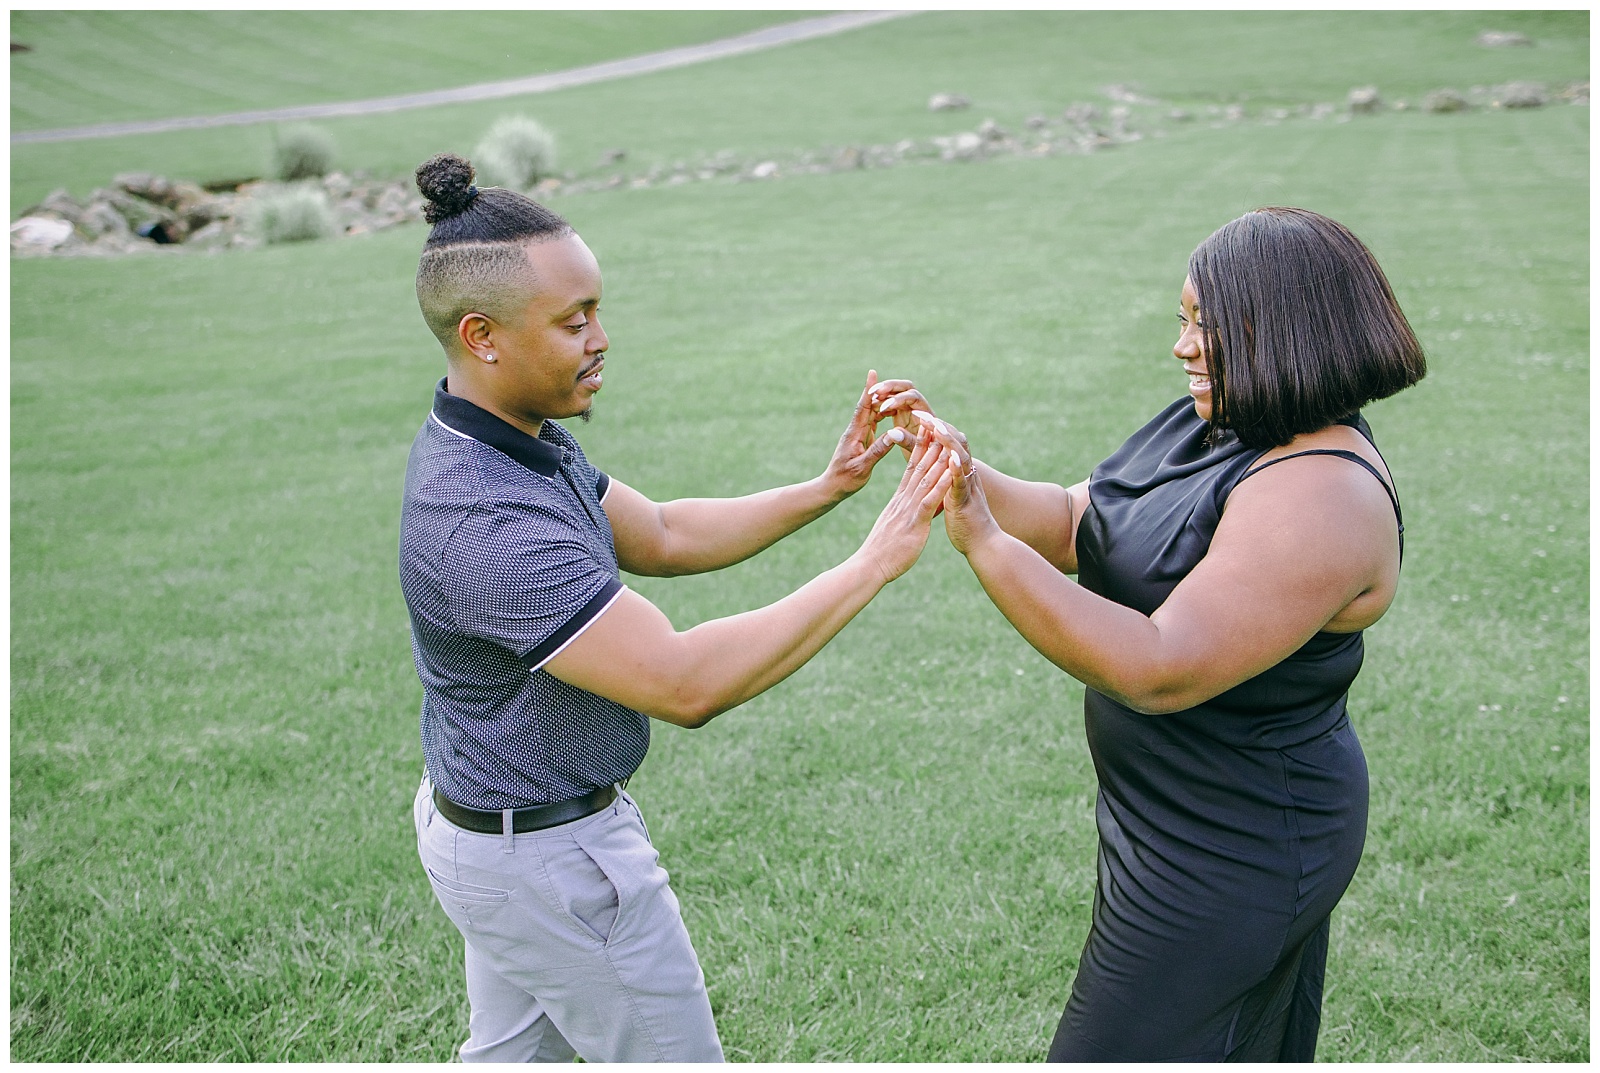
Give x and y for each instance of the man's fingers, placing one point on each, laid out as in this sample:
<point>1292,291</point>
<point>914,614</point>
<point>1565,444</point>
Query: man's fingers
<point>880,447</point>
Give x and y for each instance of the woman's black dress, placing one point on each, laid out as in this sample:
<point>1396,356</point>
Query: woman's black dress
<point>1228,831</point>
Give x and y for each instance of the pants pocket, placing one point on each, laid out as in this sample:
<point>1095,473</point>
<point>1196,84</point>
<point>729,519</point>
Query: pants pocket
<point>463,901</point>
<point>586,892</point>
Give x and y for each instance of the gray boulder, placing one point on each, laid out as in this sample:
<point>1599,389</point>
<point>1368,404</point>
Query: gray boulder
<point>1503,39</point>
<point>1364,100</point>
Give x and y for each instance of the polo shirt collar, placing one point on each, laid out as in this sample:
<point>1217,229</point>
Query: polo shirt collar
<point>467,419</point>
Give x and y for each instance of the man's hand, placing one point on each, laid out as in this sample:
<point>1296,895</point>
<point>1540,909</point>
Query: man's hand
<point>861,447</point>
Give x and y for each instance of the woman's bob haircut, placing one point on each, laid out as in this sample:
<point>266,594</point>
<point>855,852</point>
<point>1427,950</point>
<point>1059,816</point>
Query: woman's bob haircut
<point>1299,324</point>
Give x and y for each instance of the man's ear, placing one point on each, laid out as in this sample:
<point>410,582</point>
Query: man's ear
<point>476,332</point>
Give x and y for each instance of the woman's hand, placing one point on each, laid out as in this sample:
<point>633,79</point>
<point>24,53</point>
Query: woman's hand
<point>967,520</point>
<point>901,531</point>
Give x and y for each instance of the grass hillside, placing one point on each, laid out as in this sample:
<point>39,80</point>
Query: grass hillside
<point>104,66</point>
<point>873,85</point>
<point>889,856</point>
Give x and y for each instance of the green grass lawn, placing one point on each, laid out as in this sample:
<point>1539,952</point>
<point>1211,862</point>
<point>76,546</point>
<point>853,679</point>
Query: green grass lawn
<point>104,66</point>
<point>890,856</point>
<point>867,86</point>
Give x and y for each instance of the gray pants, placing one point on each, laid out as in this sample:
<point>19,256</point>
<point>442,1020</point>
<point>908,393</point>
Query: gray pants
<point>574,941</point>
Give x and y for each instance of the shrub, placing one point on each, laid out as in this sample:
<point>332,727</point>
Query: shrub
<point>516,152</point>
<point>291,214</point>
<point>302,152</point>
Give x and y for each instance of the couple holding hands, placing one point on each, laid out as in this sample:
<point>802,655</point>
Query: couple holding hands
<point>1216,621</point>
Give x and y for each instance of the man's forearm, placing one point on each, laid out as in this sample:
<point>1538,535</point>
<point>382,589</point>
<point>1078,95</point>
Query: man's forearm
<point>708,534</point>
<point>730,660</point>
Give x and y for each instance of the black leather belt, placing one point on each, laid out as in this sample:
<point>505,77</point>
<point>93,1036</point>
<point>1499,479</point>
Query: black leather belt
<point>533,818</point>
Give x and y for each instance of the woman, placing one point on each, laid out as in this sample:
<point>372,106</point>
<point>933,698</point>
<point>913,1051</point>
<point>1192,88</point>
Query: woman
<point>1217,625</point>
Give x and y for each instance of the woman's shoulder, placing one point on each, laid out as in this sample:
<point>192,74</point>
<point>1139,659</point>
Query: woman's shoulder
<point>1352,438</point>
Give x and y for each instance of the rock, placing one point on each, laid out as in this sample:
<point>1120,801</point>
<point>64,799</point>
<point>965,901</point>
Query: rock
<point>136,210</point>
<point>1179,115</point>
<point>151,187</point>
<point>391,204</point>
<point>337,184</point>
<point>1576,93</point>
<point>59,204</point>
<point>764,170</point>
<point>1127,95</point>
<point>990,131</point>
<point>947,102</point>
<point>965,146</point>
<point>1503,39</point>
<point>849,158</point>
<point>1081,114</point>
<point>40,232</point>
<point>117,244</point>
<point>1519,95</point>
<point>99,219</point>
<point>1036,122</point>
<point>1364,100</point>
<point>1321,110</point>
<point>213,236</point>
<point>1444,100</point>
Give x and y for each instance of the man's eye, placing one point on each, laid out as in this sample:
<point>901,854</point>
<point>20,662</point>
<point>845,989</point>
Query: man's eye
<point>578,327</point>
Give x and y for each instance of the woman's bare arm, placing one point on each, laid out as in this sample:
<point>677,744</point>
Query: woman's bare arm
<point>1296,545</point>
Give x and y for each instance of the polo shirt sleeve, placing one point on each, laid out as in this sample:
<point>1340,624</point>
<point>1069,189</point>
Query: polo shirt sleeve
<point>522,576</point>
<point>588,473</point>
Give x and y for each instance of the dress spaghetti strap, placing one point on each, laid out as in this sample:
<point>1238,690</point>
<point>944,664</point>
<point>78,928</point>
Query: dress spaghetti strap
<point>1358,460</point>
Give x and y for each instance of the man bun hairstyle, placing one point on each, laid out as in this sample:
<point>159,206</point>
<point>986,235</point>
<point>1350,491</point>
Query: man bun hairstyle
<point>473,260</point>
<point>1299,324</point>
<point>446,181</point>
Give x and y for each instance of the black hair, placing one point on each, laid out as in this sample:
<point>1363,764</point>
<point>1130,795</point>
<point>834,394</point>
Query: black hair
<point>473,260</point>
<point>1299,324</point>
<point>461,212</point>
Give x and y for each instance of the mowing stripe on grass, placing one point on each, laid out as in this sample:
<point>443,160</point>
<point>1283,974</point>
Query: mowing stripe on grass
<point>755,41</point>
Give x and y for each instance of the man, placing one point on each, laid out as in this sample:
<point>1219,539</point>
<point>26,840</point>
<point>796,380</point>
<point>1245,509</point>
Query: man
<point>540,668</point>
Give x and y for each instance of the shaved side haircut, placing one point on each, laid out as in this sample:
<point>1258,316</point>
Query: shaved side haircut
<point>492,278</point>
<point>475,259</point>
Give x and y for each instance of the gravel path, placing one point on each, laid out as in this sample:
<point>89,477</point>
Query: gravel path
<point>771,37</point>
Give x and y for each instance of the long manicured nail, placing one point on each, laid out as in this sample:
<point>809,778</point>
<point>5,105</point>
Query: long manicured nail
<point>896,436</point>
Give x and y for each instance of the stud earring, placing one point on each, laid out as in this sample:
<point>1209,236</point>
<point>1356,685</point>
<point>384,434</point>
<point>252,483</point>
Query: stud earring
<point>488,357</point>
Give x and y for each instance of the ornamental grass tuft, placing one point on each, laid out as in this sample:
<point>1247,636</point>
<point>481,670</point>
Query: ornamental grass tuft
<point>516,152</point>
<point>290,214</point>
<point>303,152</point>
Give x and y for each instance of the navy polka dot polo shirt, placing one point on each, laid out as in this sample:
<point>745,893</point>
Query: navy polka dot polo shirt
<point>506,556</point>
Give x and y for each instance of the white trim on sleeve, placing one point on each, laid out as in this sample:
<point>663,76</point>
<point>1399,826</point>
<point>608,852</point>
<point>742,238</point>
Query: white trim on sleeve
<point>592,620</point>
